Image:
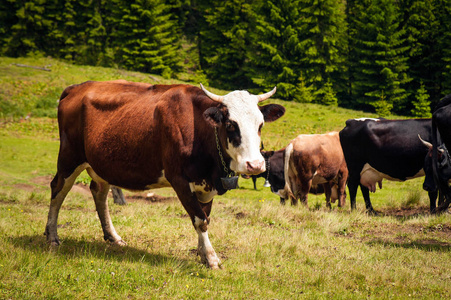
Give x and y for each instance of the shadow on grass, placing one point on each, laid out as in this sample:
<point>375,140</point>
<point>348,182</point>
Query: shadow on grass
<point>73,248</point>
<point>421,244</point>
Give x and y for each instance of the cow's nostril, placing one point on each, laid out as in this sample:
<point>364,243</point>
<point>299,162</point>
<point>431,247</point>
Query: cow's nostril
<point>255,166</point>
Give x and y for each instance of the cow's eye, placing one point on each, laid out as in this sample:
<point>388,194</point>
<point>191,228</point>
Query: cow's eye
<point>230,126</point>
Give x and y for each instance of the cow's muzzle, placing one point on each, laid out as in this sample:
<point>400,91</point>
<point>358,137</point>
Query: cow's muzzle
<point>255,167</point>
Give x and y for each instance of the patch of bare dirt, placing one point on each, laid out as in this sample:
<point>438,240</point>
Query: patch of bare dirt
<point>406,212</point>
<point>24,186</point>
<point>146,196</point>
<point>42,180</point>
<point>241,215</point>
<point>437,237</point>
<point>81,188</point>
<point>84,189</point>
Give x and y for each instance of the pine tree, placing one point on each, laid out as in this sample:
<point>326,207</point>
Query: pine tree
<point>224,42</point>
<point>276,54</point>
<point>7,20</point>
<point>93,35</point>
<point>326,95</point>
<point>148,38</point>
<point>378,57</point>
<point>62,34</point>
<point>304,92</point>
<point>323,40</point>
<point>444,43</point>
<point>422,26</point>
<point>382,106</point>
<point>422,106</point>
<point>28,34</point>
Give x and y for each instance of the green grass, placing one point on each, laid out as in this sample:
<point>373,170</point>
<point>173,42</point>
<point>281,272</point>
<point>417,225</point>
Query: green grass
<point>268,251</point>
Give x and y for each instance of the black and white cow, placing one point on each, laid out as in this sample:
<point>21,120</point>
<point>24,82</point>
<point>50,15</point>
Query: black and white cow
<point>443,169</point>
<point>441,125</point>
<point>377,149</point>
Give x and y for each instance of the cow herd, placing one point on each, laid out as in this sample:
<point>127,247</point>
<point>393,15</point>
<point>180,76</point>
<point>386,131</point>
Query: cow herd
<point>366,152</point>
<point>139,136</point>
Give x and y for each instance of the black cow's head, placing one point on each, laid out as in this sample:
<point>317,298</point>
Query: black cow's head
<point>443,167</point>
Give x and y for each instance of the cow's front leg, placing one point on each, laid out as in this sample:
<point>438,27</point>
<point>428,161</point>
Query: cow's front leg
<point>328,193</point>
<point>204,248</point>
<point>341,188</point>
<point>199,214</point>
<point>366,196</point>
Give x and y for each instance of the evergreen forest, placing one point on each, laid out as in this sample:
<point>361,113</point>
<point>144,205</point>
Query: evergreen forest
<point>383,56</point>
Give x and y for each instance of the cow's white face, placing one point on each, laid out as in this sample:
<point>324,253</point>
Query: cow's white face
<point>239,122</point>
<point>243,133</point>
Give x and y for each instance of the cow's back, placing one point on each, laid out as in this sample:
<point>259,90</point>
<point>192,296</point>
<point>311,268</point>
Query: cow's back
<point>315,159</point>
<point>390,146</point>
<point>313,151</point>
<point>123,126</point>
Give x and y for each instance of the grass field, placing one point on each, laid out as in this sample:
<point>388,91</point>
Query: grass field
<point>268,251</point>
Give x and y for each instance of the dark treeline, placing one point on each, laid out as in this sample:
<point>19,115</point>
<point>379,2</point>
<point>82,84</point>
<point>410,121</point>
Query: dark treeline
<point>379,55</point>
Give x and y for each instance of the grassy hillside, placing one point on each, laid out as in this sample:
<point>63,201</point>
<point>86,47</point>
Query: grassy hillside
<point>268,251</point>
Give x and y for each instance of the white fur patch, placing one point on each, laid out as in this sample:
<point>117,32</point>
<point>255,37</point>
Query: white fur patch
<point>243,109</point>
<point>202,193</point>
<point>287,171</point>
<point>364,119</point>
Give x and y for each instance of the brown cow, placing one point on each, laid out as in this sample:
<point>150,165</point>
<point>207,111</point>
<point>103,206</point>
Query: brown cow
<point>315,159</point>
<point>275,176</point>
<point>139,136</point>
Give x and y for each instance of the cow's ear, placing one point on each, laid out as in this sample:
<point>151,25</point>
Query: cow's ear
<point>272,112</point>
<point>213,116</point>
<point>267,154</point>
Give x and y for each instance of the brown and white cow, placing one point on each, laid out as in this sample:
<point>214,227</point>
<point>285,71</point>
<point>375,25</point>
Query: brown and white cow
<point>275,176</point>
<point>139,136</point>
<point>313,159</point>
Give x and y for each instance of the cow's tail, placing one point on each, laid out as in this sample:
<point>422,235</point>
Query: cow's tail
<point>286,168</point>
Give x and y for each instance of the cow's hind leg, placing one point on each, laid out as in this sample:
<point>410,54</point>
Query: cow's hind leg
<point>60,185</point>
<point>304,187</point>
<point>99,189</point>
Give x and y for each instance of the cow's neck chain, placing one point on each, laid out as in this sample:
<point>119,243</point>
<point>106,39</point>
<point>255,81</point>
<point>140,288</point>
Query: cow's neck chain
<point>226,170</point>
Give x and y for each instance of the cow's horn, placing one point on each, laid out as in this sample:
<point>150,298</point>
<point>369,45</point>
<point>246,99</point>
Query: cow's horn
<point>265,96</point>
<point>212,96</point>
<point>427,144</point>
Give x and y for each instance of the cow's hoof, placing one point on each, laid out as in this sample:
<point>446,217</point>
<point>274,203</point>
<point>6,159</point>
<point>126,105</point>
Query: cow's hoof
<point>215,267</point>
<point>214,264</point>
<point>441,209</point>
<point>372,212</point>
<point>54,243</point>
<point>212,261</point>
<point>119,243</point>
